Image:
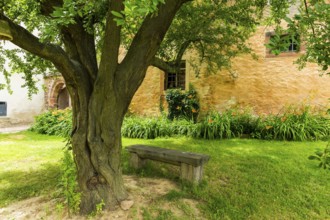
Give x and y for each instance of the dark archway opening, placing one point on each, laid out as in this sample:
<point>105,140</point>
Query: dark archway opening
<point>63,99</point>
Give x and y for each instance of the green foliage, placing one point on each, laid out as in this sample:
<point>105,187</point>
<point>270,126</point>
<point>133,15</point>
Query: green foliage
<point>227,124</point>
<point>131,18</point>
<point>54,122</point>
<point>216,30</point>
<point>182,104</point>
<point>281,42</point>
<point>68,186</point>
<point>323,157</point>
<point>293,125</point>
<point>148,128</point>
<point>98,210</point>
<point>311,24</point>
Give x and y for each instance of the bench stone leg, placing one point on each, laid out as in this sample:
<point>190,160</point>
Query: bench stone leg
<point>191,173</point>
<point>136,161</point>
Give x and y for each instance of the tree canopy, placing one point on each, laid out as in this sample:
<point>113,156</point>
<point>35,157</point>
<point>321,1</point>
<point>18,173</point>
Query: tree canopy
<point>216,30</point>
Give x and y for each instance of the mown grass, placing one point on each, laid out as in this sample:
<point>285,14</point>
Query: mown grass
<point>252,179</point>
<point>244,179</point>
<point>29,165</point>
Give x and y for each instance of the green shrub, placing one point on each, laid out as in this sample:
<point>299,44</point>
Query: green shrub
<point>182,104</point>
<point>323,157</point>
<point>54,122</point>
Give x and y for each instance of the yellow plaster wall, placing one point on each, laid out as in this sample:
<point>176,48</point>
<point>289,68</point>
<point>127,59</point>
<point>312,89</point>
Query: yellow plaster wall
<point>268,84</point>
<point>147,98</point>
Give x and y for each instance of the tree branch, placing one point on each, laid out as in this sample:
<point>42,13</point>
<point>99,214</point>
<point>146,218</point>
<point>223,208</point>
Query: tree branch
<point>27,41</point>
<point>47,6</point>
<point>182,49</point>
<point>111,44</point>
<point>307,13</point>
<point>80,46</point>
<point>162,65</point>
<point>54,53</point>
<point>145,45</point>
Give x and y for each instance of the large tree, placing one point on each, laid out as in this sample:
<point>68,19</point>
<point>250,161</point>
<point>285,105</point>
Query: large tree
<point>82,39</point>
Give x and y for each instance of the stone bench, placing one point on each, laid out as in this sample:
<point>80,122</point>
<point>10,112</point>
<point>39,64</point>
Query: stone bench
<point>191,164</point>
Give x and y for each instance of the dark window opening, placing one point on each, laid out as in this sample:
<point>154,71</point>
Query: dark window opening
<point>283,43</point>
<point>176,80</point>
<point>3,109</point>
<point>293,44</point>
<point>63,99</point>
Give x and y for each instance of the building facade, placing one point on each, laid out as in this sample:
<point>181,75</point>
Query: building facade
<point>17,108</point>
<point>267,85</point>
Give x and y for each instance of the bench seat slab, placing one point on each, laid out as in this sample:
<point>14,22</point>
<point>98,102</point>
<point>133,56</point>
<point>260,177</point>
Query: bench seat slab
<point>174,157</point>
<point>191,164</point>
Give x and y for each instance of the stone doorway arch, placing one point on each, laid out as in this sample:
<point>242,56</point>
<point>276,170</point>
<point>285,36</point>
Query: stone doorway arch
<point>58,95</point>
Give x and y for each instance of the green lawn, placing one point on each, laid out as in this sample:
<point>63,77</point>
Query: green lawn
<point>29,165</point>
<point>245,179</point>
<point>252,179</point>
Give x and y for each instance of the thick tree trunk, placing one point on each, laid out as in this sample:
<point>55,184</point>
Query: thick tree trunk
<point>97,147</point>
<point>101,92</point>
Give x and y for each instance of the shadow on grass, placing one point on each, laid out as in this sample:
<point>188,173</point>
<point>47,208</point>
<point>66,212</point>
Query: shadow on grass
<point>152,169</point>
<point>18,185</point>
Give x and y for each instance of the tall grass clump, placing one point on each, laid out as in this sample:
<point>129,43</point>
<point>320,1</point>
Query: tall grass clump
<point>227,124</point>
<point>150,128</point>
<point>146,128</point>
<point>295,124</point>
<point>215,126</point>
<point>54,122</point>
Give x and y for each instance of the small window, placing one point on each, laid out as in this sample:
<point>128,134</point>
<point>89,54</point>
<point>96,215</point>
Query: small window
<point>176,80</point>
<point>292,43</point>
<point>278,44</point>
<point>3,109</point>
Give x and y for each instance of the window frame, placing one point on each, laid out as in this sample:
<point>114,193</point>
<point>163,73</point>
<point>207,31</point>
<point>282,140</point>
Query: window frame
<point>287,53</point>
<point>179,82</point>
<point>4,114</point>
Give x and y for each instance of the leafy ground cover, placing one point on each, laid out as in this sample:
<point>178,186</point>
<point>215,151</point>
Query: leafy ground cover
<point>245,178</point>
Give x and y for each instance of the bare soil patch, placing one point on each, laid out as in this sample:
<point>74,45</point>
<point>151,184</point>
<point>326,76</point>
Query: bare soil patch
<point>147,195</point>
